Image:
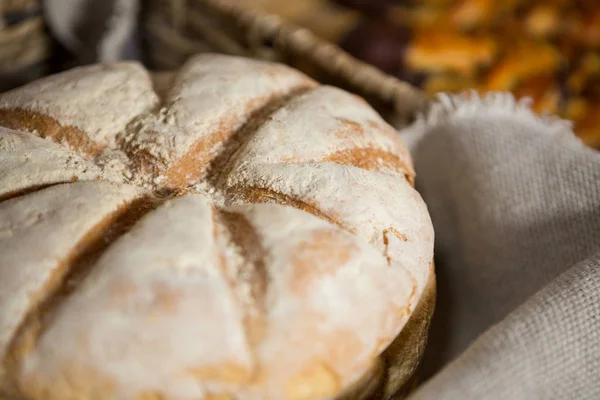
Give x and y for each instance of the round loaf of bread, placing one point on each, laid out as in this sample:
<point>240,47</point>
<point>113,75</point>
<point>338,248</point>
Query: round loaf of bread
<point>231,230</point>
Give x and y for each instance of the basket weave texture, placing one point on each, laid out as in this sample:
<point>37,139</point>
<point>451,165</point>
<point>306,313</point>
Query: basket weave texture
<point>24,44</point>
<point>547,50</point>
<point>178,29</point>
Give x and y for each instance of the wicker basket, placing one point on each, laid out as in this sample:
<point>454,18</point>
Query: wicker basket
<point>178,29</point>
<point>24,44</point>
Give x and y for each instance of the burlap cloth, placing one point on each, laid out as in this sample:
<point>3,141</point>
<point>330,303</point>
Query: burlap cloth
<point>515,200</point>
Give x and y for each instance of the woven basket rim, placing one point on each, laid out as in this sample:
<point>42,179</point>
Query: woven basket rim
<point>23,44</point>
<point>12,5</point>
<point>260,27</point>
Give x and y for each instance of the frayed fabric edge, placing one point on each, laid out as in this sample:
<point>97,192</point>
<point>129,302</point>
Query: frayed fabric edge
<point>446,108</point>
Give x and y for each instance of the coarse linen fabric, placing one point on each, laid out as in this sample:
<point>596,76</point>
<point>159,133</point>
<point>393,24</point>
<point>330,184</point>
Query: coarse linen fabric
<point>515,201</point>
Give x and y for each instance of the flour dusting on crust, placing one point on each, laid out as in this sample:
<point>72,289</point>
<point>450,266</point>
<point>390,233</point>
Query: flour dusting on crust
<point>280,249</point>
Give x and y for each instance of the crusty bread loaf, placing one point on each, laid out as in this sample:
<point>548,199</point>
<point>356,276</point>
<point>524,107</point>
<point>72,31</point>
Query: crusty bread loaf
<point>232,230</point>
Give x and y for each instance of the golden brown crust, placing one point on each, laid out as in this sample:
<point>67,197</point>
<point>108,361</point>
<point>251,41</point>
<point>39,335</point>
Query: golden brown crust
<point>403,355</point>
<point>371,159</point>
<point>249,243</point>
<point>64,280</point>
<point>191,166</point>
<point>47,127</point>
<point>369,386</point>
<point>395,372</point>
<point>275,270</point>
<point>262,195</point>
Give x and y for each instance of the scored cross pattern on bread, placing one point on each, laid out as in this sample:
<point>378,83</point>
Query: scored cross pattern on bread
<point>229,230</point>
